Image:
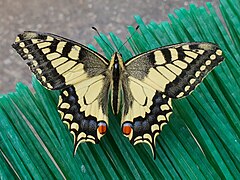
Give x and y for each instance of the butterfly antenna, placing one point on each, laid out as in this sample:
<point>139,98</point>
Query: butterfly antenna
<point>128,38</point>
<point>95,29</point>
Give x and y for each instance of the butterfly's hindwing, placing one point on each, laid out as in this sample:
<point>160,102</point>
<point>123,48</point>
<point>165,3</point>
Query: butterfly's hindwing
<point>58,62</point>
<point>83,107</point>
<point>145,112</point>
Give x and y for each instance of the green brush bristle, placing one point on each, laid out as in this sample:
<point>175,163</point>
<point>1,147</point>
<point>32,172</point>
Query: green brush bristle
<point>201,139</point>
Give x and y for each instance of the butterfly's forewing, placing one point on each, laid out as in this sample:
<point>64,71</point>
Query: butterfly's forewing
<point>157,76</point>
<point>59,63</point>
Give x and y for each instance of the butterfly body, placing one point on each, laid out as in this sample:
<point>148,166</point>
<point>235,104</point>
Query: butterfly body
<point>141,89</point>
<point>117,71</point>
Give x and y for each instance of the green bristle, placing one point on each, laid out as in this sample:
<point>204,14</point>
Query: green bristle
<point>200,141</point>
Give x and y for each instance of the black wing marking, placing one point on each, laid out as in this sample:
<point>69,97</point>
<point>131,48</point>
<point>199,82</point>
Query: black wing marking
<point>58,62</point>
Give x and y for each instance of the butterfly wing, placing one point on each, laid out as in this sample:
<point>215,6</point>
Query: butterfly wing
<point>83,107</point>
<point>157,76</point>
<point>60,63</point>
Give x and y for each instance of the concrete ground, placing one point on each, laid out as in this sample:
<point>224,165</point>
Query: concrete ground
<point>72,19</point>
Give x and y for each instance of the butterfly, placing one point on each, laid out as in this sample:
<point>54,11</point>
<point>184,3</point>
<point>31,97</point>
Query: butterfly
<point>141,89</point>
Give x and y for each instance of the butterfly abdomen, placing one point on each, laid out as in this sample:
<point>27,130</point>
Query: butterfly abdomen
<point>116,68</point>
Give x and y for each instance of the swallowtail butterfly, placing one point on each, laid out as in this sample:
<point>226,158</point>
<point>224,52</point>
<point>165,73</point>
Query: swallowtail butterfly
<point>145,84</point>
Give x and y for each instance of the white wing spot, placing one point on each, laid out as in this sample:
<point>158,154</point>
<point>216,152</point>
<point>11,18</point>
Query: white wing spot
<point>22,44</point>
<point>164,107</point>
<point>68,116</point>
<point>203,67</point>
<point>49,86</point>
<point>154,127</point>
<point>17,39</point>
<point>34,63</point>
<point>169,102</point>
<point>39,71</point>
<point>30,56</point>
<point>192,81</point>
<point>81,135</point>
<point>75,126</point>
<point>25,50</point>
<point>187,88</point>
<point>65,93</point>
<point>219,52</point>
<point>161,118</point>
<point>168,115</point>
<point>147,136</point>
<point>65,105</point>
<point>197,74</point>
<point>181,94</point>
<point>44,79</point>
<point>208,62</point>
<point>213,56</point>
<point>161,126</point>
<point>61,114</point>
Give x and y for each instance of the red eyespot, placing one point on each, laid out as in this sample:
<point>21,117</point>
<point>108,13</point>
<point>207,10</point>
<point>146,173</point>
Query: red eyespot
<point>127,128</point>
<point>102,127</point>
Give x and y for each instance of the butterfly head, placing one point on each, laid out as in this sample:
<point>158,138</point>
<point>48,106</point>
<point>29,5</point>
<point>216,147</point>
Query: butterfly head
<point>116,61</point>
<point>117,56</point>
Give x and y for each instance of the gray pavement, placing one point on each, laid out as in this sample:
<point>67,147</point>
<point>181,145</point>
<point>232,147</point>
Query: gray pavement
<point>72,19</point>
